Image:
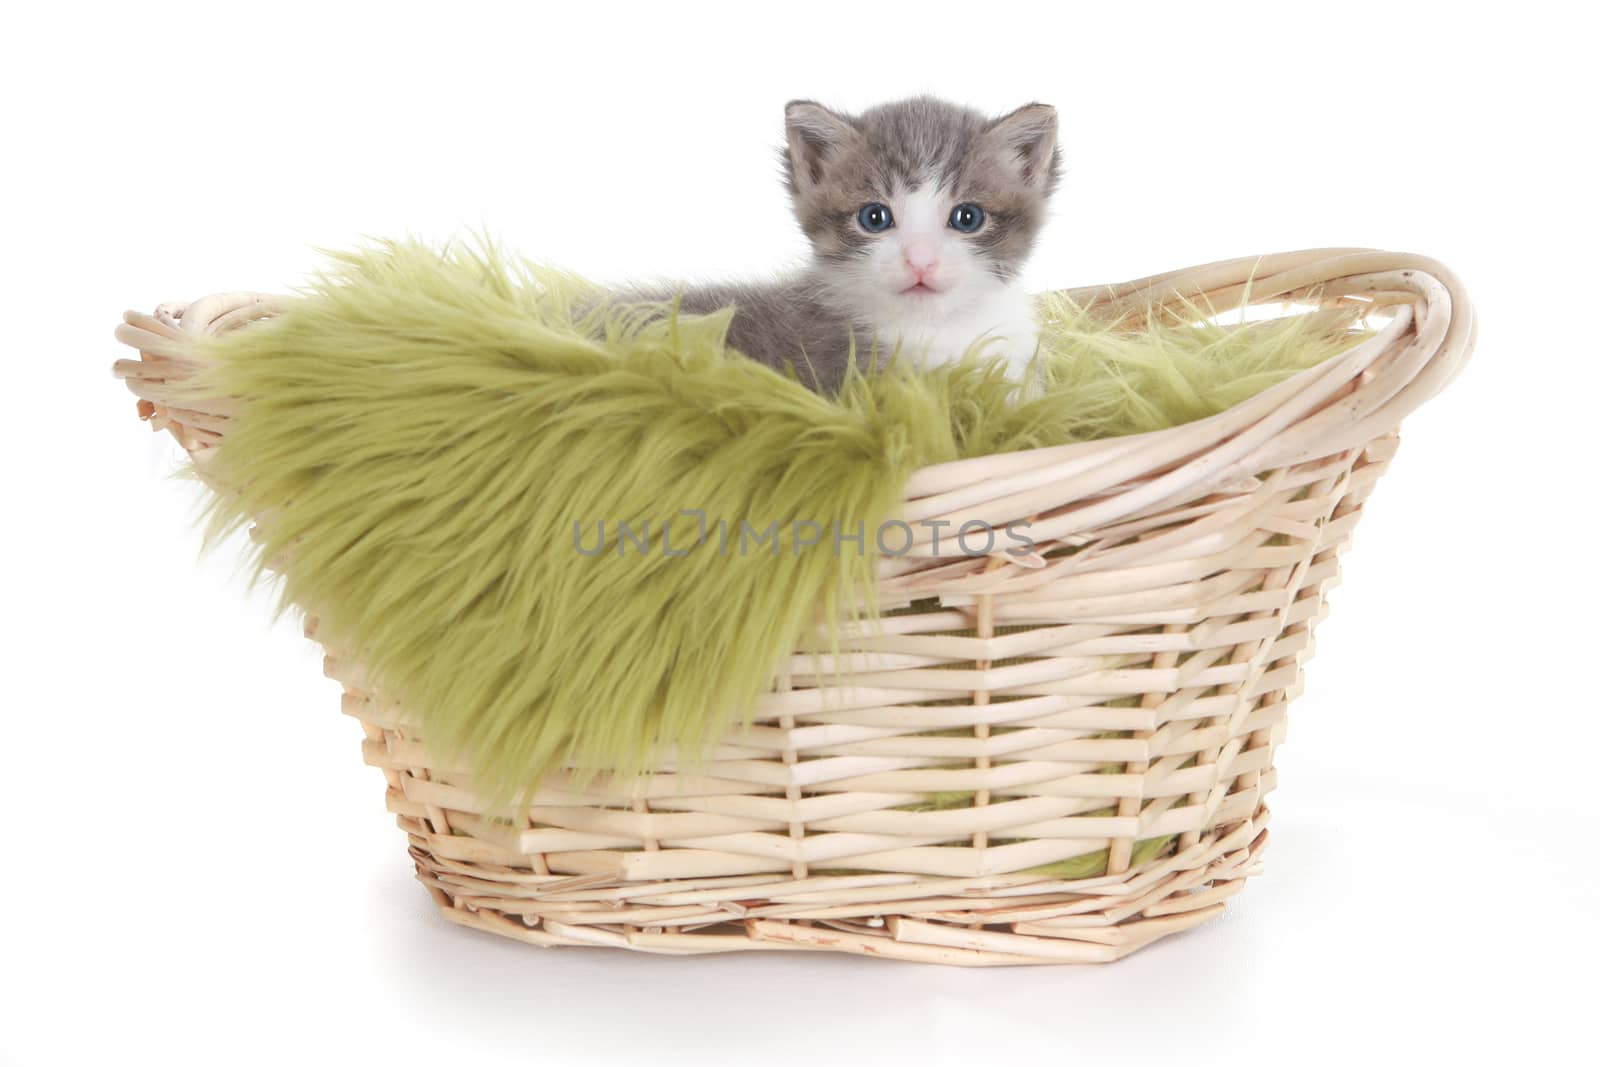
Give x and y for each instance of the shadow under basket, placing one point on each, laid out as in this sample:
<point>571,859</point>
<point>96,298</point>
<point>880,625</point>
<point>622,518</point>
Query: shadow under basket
<point>1078,810</point>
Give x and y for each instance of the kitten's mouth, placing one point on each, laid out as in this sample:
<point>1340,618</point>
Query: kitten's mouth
<point>919,289</point>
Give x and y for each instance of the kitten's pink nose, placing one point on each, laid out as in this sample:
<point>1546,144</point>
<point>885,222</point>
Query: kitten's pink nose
<point>921,256</point>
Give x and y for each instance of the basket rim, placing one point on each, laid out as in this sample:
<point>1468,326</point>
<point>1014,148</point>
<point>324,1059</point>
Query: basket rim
<point>1351,399</point>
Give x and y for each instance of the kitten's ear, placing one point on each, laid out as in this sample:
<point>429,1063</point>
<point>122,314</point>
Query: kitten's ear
<point>1028,137</point>
<point>814,133</point>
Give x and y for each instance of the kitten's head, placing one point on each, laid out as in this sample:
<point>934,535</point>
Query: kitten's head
<point>920,206</point>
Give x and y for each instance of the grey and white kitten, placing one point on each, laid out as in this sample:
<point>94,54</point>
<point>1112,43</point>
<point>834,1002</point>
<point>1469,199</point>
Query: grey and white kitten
<point>920,215</point>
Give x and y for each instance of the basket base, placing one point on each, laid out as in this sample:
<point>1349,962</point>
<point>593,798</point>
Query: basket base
<point>997,920</point>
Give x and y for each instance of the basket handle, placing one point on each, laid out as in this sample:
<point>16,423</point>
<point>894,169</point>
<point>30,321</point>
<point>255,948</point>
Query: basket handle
<point>168,358</point>
<point>1435,293</point>
<point>1346,402</point>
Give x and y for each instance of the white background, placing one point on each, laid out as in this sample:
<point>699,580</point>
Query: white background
<point>197,868</point>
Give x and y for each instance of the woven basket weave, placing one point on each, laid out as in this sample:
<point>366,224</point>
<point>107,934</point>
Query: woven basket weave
<point>1146,676</point>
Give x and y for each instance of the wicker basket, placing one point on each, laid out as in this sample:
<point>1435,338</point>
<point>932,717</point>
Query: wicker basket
<point>1203,554</point>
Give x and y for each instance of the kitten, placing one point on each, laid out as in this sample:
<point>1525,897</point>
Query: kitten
<point>920,215</point>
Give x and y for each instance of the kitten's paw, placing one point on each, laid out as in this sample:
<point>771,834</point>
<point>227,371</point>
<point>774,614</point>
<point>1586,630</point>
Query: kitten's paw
<point>1025,369</point>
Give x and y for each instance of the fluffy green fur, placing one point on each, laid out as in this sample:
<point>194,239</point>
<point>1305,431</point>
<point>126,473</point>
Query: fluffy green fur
<point>418,433</point>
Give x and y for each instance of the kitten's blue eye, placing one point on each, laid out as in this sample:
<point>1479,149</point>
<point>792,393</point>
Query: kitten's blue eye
<point>966,218</point>
<point>875,218</point>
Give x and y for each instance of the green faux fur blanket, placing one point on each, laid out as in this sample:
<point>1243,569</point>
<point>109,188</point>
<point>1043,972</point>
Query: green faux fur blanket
<point>440,452</point>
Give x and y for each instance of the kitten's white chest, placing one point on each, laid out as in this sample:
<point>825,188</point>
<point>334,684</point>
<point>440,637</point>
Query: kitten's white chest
<point>1002,322</point>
